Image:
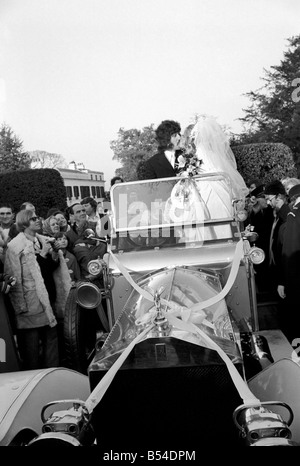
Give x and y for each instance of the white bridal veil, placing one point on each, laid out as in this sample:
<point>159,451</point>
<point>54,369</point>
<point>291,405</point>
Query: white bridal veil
<point>213,148</point>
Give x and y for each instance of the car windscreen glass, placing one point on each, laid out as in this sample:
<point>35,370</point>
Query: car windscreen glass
<point>168,211</point>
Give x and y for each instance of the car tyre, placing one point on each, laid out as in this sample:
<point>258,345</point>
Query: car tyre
<point>80,334</point>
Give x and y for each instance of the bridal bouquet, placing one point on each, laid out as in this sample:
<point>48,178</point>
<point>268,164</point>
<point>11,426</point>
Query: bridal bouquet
<point>188,163</point>
<point>185,194</point>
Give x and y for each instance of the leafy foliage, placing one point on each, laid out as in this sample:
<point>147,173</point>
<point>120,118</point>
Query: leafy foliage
<point>265,162</point>
<point>12,156</point>
<point>43,187</point>
<point>132,147</point>
<point>43,159</point>
<point>274,113</point>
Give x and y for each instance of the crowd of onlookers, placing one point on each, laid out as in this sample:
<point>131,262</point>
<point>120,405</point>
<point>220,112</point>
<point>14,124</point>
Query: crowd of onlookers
<point>274,214</point>
<point>41,259</point>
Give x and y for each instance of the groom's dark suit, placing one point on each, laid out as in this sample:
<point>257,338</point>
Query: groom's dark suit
<point>158,166</point>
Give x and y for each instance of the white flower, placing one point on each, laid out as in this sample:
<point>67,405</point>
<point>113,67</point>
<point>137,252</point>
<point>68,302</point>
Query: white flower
<point>181,161</point>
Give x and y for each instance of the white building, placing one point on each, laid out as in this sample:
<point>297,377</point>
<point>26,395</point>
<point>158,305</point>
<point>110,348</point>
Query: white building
<point>81,182</point>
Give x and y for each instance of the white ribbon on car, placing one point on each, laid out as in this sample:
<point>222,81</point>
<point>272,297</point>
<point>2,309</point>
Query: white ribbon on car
<point>187,325</point>
<point>100,389</point>
<point>238,255</point>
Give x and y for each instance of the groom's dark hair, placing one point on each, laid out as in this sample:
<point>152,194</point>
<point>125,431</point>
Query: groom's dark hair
<point>164,132</point>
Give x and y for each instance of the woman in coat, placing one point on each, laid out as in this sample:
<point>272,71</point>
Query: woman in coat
<point>27,254</point>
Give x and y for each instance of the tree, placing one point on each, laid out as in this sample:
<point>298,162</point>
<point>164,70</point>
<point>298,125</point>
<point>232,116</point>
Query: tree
<point>43,159</point>
<point>12,156</point>
<point>132,147</point>
<point>264,161</point>
<point>27,185</point>
<point>274,113</point>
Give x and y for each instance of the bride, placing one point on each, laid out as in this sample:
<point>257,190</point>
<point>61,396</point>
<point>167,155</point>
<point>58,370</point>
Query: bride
<point>212,147</point>
<point>210,144</point>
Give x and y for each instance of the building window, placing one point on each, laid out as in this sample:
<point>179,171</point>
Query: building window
<point>69,192</point>
<point>93,191</point>
<point>100,192</point>
<point>91,177</point>
<point>76,192</point>
<point>84,191</point>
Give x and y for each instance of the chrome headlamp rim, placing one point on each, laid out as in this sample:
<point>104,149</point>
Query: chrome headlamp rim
<point>88,295</point>
<point>95,267</point>
<point>257,255</point>
<point>274,442</point>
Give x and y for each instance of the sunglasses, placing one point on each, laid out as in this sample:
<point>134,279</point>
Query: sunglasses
<point>34,219</point>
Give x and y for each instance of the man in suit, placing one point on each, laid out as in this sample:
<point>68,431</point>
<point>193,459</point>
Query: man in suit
<point>276,197</point>
<point>289,289</point>
<point>161,165</point>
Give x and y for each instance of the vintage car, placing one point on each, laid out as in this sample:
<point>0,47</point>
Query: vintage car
<point>178,358</point>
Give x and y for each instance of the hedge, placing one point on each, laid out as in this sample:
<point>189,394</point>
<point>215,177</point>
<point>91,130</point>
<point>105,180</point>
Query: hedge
<point>44,187</point>
<point>264,161</point>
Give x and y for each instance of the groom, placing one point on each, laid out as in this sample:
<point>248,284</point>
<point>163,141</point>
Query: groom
<point>161,165</point>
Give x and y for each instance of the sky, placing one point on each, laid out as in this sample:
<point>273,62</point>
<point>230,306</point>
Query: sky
<point>73,72</point>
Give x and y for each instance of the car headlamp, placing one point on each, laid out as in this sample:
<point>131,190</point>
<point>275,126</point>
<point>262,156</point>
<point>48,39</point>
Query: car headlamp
<point>257,255</point>
<point>241,215</point>
<point>95,267</point>
<point>88,295</point>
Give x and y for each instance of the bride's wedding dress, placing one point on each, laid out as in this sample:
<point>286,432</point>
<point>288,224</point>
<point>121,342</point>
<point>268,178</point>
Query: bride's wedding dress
<point>212,147</point>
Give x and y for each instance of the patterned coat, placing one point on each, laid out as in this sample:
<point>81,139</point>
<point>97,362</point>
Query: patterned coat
<point>29,296</point>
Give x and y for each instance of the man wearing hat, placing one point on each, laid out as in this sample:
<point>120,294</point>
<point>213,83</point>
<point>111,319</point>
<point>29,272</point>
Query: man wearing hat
<point>289,289</point>
<point>253,184</point>
<point>276,197</point>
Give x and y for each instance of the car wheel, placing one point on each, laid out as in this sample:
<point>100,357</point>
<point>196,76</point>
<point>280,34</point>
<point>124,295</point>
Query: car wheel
<point>81,330</point>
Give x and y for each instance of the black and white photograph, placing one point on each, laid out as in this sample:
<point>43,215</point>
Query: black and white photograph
<point>149,226</point>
